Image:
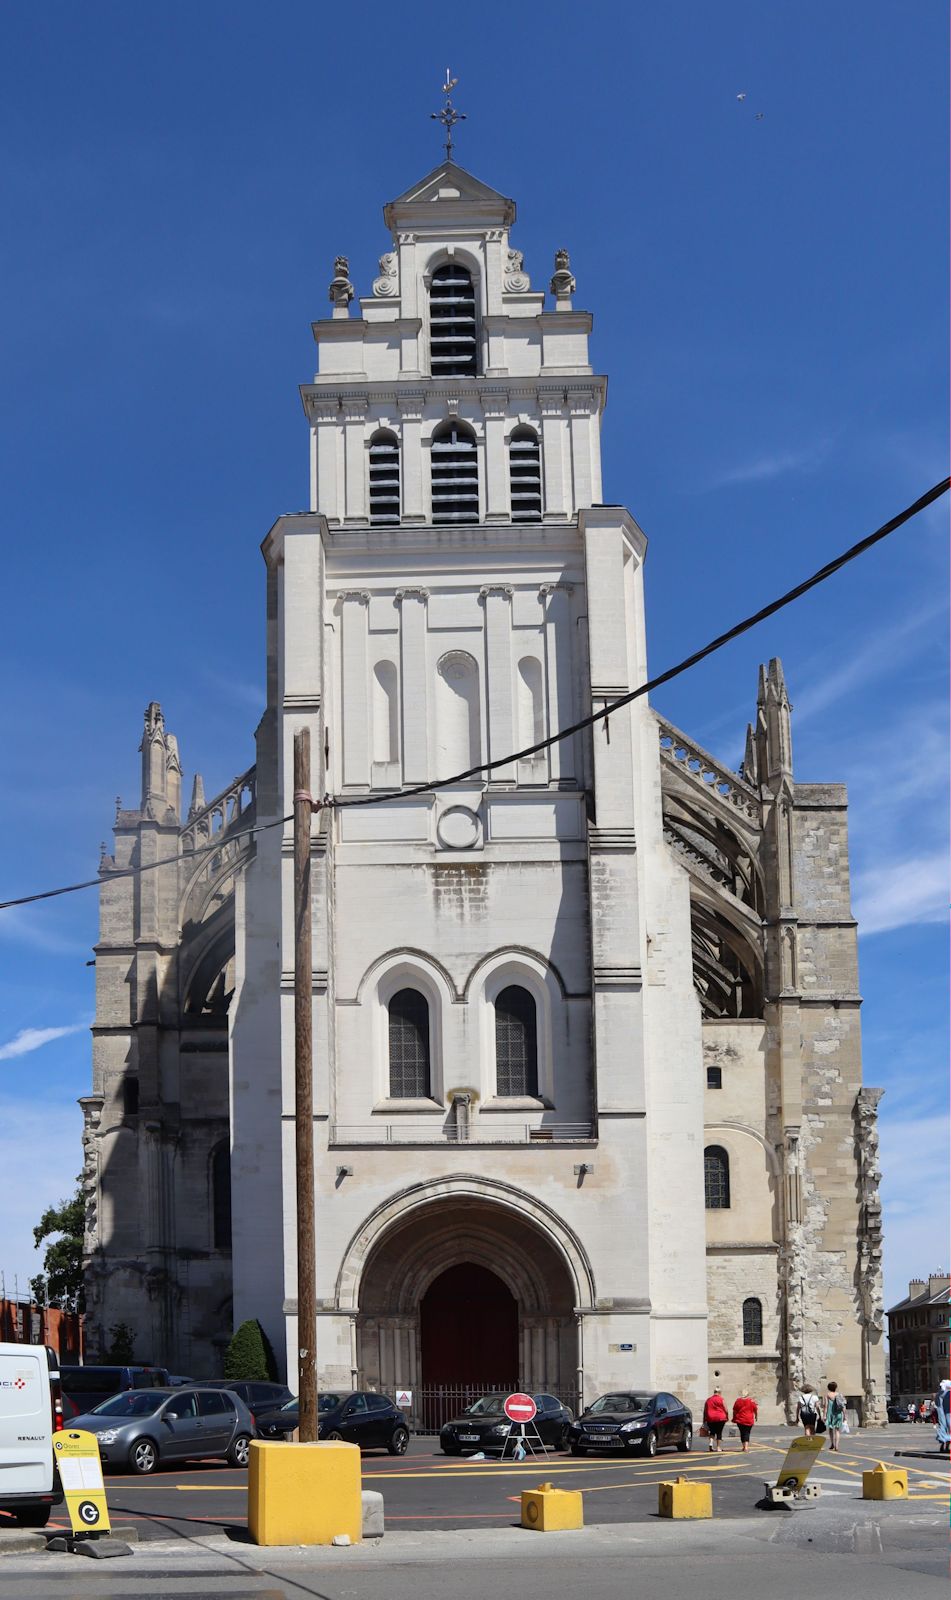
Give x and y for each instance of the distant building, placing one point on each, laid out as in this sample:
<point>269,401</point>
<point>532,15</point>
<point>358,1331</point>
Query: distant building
<point>589,1102</point>
<point>918,1338</point>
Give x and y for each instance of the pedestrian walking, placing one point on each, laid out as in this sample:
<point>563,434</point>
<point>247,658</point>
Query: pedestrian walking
<point>835,1414</point>
<point>923,1410</point>
<point>808,1410</point>
<point>745,1411</point>
<point>714,1418</point>
<point>912,1411</point>
<point>943,1430</point>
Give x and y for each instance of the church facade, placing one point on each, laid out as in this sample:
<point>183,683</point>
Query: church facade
<point>588,1098</point>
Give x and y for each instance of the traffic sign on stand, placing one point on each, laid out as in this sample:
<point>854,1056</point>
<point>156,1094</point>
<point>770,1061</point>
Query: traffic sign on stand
<point>520,1408</point>
<point>523,1434</point>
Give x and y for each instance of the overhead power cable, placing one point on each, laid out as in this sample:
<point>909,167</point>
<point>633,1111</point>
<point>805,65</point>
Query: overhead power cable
<point>601,715</point>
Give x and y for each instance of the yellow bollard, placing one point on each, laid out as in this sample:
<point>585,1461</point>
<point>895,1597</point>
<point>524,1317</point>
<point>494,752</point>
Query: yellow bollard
<point>885,1483</point>
<point>684,1497</point>
<point>304,1493</point>
<point>550,1510</point>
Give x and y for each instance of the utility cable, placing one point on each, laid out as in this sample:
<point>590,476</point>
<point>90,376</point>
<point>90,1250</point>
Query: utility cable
<point>602,715</point>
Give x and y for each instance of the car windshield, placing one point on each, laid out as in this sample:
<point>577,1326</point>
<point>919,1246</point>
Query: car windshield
<point>325,1402</point>
<point>134,1403</point>
<point>621,1402</point>
<point>488,1405</point>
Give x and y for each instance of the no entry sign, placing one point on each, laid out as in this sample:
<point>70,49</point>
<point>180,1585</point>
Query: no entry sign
<point>520,1408</point>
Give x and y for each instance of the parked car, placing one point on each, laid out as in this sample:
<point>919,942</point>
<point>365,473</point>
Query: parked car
<point>484,1425</point>
<point>31,1417</point>
<point>257,1395</point>
<point>627,1420</point>
<point>369,1420</point>
<point>897,1413</point>
<point>141,1428</point>
<point>88,1386</point>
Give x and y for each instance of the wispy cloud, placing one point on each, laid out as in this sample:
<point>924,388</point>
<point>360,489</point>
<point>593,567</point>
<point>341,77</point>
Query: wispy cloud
<point>35,928</point>
<point>30,1039</point>
<point>914,1155</point>
<point>829,678</point>
<point>771,464</point>
<point>899,893</point>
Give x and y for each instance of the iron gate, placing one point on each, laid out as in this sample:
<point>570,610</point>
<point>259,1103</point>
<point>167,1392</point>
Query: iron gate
<point>434,1404</point>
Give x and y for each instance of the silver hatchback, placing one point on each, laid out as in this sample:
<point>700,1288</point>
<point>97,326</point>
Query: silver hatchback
<point>141,1428</point>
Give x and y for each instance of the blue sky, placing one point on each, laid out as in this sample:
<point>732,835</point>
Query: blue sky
<point>770,306</point>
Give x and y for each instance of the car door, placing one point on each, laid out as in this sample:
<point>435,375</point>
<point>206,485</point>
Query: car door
<point>355,1424</point>
<point>548,1418</point>
<point>380,1421</point>
<point>217,1420</point>
<point>666,1421</point>
<point>181,1429</point>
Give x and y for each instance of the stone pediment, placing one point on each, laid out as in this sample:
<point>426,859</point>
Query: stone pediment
<point>449,185</point>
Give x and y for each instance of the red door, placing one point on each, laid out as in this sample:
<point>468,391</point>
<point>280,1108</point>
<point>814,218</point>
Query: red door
<point>469,1329</point>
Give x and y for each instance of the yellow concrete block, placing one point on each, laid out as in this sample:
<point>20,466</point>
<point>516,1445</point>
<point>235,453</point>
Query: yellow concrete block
<point>684,1497</point>
<point>549,1510</point>
<point>304,1493</point>
<point>885,1483</point>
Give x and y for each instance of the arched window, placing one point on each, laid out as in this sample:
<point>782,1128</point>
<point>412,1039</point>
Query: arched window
<point>525,476</point>
<point>516,1043</point>
<point>455,474</point>
<point>531,705</point>
<point>384,477</point>
<point>221,1197</point>
<point>716,1178</point>
<point>409,1045</point>
<point>386,736</point>
<point>452,323</point>
<point>752,1322</point>
<point>458,720</point>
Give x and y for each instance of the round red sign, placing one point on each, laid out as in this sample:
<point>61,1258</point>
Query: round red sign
<point>520,1408</point>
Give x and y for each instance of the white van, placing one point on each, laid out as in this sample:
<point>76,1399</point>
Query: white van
<point>31,1411</point>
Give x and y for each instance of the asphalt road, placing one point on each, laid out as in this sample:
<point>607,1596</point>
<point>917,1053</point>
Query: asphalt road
<point>427,1490</point>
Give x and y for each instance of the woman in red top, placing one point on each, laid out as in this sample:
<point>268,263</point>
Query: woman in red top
<point>745,1412</point>
<point>714,1417</point>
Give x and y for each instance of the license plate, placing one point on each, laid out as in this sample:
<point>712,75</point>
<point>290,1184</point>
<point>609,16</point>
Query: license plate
<point>605,1444</point>
<point>468,1438</point>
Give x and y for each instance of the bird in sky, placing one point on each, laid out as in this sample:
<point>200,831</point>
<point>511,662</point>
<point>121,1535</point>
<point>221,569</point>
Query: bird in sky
<point>741,97</point>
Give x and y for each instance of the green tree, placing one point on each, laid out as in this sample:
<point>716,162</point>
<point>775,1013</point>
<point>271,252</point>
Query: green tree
<point>249,1355</point>
<point>121,1344</point>
<point>61,1282</point>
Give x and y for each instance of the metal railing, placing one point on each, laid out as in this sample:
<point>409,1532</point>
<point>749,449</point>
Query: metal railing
<point>434,1405</point>
<point>477,1132</point>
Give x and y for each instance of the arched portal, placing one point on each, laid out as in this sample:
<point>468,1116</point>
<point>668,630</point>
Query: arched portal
<point>456,1280</point>
<point>468,1329</point>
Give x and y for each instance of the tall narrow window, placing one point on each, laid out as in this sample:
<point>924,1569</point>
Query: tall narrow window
<point>384,477</point>
<point>455,474</point>
<point>386,713</point>
<point>752,1322</point>
<point>525,476</point>
<point>716,1178</point>
<point>452,323</point>
<point>409,1045</point>
<point>221,1197</point>
<point>516,1043</point>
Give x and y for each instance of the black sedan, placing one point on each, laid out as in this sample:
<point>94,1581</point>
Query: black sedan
<point>256,1394</point>
<point>627,1420</point>
<point>367,1419</point>
<point>484,1425</point>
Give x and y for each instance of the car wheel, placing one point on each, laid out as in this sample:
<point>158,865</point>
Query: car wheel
<point>32,1516</point>
<point>650,1444</point>
<point>239,1452</point>
<point>399,1439</point>
<point>578,1450</point>
<point>143,1457</point>
<point>563,1440</point>
<point>336,1437</point>
<point>687,1439</point>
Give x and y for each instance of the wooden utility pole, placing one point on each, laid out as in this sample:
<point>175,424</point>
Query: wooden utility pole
<point>304,1096</point>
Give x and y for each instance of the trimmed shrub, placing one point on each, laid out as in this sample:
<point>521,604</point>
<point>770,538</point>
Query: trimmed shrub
<point>249,1355</point>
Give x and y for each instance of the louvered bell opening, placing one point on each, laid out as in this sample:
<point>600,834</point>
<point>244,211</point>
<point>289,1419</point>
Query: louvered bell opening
<point>452,323</point>
<point>455,476</point>
<point>384,479</point>
<point>525,476</point>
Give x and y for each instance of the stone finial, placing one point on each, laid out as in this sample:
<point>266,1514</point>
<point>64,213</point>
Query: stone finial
<point>341,289</point>
<point>387,284</point>
<point>516,279</point>
<point>562,284</point>
<point>198,796</point>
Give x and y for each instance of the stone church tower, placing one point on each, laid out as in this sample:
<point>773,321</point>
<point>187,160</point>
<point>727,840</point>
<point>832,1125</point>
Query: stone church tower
<point>588,1075</point>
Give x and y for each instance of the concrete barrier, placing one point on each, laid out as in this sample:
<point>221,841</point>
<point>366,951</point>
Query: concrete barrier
<point>372,1502</point>
<point>550,1510</point>
<point>885,1483</point>
<point>304,1493</point>
<point>684,1497</point>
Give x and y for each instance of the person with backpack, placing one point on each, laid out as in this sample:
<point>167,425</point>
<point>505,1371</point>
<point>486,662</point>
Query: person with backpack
<point>835,1414</point>
<point>808,1410</point>
<point>714,1417</point>
<point>745,1411</point>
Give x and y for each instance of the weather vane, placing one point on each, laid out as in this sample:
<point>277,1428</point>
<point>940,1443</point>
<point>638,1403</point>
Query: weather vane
<point>448,116</point>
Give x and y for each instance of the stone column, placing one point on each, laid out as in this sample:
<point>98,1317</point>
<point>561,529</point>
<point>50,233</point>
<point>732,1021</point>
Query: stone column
<point>556,601</point>
<point>354,415</point>
<point>580,410</point>
<point>553,453</point>
<point>414,685</point>
<point>411,457</point>
<point>354,607</point>
<point>497,600</point>
<point>496,464</point>
<point>327,491</point>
